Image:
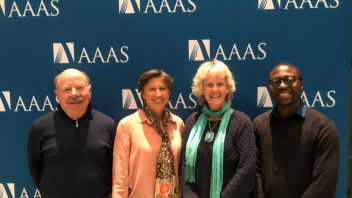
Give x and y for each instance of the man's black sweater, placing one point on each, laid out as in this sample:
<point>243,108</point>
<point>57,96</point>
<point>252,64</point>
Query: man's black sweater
<point>297,156</point>
<point>69,158</point>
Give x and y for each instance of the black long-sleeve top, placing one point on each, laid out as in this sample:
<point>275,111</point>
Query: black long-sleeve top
<point>239,159</point>
<point>72,159</point>
<point>297,156</point>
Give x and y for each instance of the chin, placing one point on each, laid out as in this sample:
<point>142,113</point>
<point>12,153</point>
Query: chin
<point>286,104</point>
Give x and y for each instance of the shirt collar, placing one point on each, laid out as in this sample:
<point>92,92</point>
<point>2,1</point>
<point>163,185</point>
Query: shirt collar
<point>300,110</point>
<point>142,118</point>
<point>86,114</point>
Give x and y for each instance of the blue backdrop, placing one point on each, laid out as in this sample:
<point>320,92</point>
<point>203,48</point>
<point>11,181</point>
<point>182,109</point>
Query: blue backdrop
<point>115,41</point>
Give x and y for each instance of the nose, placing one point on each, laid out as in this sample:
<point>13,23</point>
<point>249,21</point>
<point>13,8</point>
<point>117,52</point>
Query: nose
<point>282,85</point>
<point>74,92</point>
<point>158,92</point>
<point>215,88</point>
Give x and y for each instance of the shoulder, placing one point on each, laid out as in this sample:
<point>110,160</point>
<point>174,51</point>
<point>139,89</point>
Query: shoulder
<point>102,122</point>
<point>239,116</point>
<point>313,114</point>
<point>45,120</point>
<point>129,120</point>
<point>192,119</point>
<point>239,120</point>
<point>43,124</point>
<point>264,117</point>
<point>176,119</point>
<point>315,119</point>
<point>46,117</point>
<point>102,117</point>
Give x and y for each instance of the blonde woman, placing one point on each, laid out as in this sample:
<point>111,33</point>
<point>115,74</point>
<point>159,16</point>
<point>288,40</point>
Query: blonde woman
<point>218,145</point>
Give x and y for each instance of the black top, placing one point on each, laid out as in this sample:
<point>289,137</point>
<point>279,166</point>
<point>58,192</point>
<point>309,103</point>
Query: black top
<point>297,156</point>
<point>239,158</point>
<point>72,159</point>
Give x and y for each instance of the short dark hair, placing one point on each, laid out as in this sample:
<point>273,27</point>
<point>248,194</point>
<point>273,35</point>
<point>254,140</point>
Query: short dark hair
<point>288,65</point>
<point>146,76</point>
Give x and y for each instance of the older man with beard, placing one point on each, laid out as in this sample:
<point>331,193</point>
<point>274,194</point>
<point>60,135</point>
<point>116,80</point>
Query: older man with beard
<point>70,150</point>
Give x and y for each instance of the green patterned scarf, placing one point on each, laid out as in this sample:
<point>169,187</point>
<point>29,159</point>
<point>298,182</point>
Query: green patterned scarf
<point>218,148</point>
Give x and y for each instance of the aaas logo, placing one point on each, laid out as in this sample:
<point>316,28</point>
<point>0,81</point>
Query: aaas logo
<point>195,52</point>
<point>200,51</point>
<point>319,98</point>
<point>9,189</point>
<point>8,101</point>
<point>263,98</point>
<point>3,193</point>
<point>60,55</point>
<point>169,6</point>
<point>61,51</point>
<point>297,4</point>
<point>47,105</point>
<point>24,10</point>
<point>129,101</point>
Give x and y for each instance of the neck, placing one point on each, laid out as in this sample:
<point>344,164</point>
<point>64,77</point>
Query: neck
<point>215,117</point>
<point>158,114</point>
<point>75,116</point>
<point>286,111</point>
<point>215,110</point>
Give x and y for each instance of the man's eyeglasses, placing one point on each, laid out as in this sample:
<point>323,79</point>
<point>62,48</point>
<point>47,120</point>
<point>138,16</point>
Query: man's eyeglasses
<point>288,80</point>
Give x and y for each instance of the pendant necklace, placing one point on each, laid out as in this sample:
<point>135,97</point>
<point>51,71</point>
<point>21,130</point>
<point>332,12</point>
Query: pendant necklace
<point>209,136</point>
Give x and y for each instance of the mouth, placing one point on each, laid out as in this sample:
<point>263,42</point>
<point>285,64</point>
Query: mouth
<point>214,96</point>
<point>158,101</point>
<point>76,100</point>
<point>284,94</point>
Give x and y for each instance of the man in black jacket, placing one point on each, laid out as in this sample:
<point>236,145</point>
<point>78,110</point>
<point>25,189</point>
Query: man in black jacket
<point>297,147</point>
<point>70,150</point>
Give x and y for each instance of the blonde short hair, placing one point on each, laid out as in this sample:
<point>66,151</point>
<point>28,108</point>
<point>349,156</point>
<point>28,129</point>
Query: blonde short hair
<point>214,68</point>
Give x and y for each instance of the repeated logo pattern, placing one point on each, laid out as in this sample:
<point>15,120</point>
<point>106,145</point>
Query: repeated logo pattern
<point>125,6</point>
<point>2,5</point>
<point>267,4</point>
<point>263,99</point>
<point>3,193</point>
<point>128,100</point>
<point>7,99</point>
<point>194,50</point>
<point>60,55</point>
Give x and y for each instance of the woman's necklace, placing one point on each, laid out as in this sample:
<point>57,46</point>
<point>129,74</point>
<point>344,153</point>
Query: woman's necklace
<point>210,135</point>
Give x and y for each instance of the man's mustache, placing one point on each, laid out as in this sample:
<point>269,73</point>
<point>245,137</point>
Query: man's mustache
<point>76,99</point>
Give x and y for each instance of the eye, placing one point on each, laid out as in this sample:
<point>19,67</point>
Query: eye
<point>80,89</point>
<point>275,80</point>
